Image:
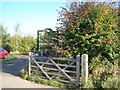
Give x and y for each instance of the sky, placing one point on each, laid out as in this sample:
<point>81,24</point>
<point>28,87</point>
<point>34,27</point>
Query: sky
<point>31,15</point>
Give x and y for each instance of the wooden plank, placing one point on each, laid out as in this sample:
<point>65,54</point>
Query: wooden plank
<point>84,70</point>
<point>64,59</point>
<point>35,55</point>
<point>41,69</point>
<point>49,73</point>
<point>44,63</point>
<point>78,71</point>
<point>35,71</point>
<point>43,77</point>
<point>65,65</point>
<point>29,66</point>
<point>33,66</point>
<point>61,75</point>
<point>64,81</point>
<point>50,68</point>
<point>61,80</point>
<point>68,71</point>
<point>74,72</point>
<point>62,71</point>
<point>64,68</point>
<point>69,64</point>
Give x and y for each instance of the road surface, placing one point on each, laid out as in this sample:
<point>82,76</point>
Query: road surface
<point>11,81</point>
<point>10,75</point>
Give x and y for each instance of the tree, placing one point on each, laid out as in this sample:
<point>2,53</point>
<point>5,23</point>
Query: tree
<point>92,28</point>
<point>4,38</point>
<point>15,43</point>
<point>28,43</point>
<point>24,43</point>
<point>17,37</point>
<point>89,28</point>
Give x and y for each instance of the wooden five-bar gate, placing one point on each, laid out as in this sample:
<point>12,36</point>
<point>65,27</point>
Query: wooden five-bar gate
<point>60,69</point>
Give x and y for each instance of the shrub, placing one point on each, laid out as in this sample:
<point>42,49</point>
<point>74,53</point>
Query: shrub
<point>24,73</point>
<point>103,74</point>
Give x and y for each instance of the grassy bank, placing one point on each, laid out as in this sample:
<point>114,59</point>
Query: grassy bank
<point>103,74</point>
<point>10,57</point>
<point>38,80</point>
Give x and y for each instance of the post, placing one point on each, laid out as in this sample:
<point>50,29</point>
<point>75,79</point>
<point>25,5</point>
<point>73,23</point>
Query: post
<point>84,70</point>
<point>41,53</point>
<point>78,71</point>
<point>29,64</point>
<point>38,40</point>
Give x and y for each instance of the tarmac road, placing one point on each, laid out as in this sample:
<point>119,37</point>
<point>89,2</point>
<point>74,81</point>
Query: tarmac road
<point>10,75</point>
<point>14,66</point>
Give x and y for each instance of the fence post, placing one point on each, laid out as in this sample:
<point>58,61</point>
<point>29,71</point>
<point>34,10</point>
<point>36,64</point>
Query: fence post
<point>29,64</point>
<point>84,70</point>
<point>78,71</point>
<point>41,53</point>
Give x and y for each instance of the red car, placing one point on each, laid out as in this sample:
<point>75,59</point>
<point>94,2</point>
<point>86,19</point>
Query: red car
<point>3,53</point>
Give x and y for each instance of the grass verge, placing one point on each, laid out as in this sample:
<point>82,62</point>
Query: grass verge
<point>53,83</point>
<point>38,80</point>
<point>10,57</point>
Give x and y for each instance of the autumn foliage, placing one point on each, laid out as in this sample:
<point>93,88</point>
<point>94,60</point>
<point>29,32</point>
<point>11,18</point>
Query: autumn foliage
<point>92,28</point>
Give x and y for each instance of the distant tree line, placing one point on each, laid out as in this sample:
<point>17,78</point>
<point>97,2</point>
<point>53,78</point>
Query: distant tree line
<point>16,43</point>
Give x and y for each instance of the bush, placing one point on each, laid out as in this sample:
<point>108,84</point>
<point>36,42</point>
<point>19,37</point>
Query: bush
<point>103,73</point>
<point>24,73</point>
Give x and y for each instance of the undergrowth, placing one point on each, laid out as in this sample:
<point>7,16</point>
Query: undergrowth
<point>38,80</point>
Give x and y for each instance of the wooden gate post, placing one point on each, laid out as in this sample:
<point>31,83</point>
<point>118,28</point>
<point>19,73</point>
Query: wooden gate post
<point>78,71</point>
<point>29,64</point>
<point>84,70</point>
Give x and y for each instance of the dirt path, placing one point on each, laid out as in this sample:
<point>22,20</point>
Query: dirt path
<point>10,81</point>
